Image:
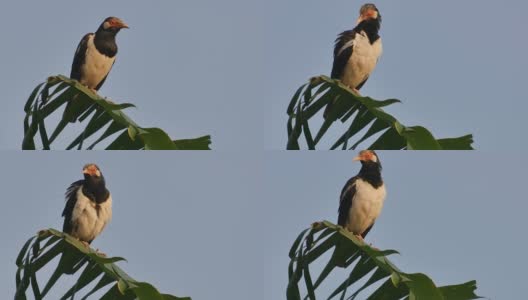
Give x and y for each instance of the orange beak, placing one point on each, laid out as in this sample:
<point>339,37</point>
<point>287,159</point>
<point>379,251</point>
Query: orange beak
<point>90,170</point>
<point>118,23</point>
<point>364,156</point>
<point>368,14</point>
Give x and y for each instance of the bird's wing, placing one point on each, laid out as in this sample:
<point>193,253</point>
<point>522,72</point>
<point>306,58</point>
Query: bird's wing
<point>345,204</point>
<point>102,81</point>
<point>345,201</point>
<point>364,234</point>
<point>362,83</point>
<point>71,200</point>
<point>342,51</point>
<point>79,57</point>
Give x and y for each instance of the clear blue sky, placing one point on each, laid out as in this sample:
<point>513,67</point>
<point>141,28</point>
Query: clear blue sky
<point>229,69</point>
<point>220,68</point>
<point>219,225</point>
<point>187,223</point>
<point>191,67</point>
<point>456,216</point>
<point>458,66</point>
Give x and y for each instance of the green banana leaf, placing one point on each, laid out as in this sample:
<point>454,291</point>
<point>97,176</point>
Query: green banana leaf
<point>368,114</point>
<point>365,263</point>
<point>39,250</point>
<point>47,97</point>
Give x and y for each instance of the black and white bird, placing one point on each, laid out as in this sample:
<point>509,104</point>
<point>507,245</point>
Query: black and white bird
<point>362,197</point>
<point>88,206</point>
<point>96,55</point>
<point>357,51</point>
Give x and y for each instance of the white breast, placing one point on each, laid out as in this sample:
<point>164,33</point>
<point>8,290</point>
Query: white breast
<point>366,206</point>
<point>96,65</point>
<point>90,218</point>
<point>362,61</point>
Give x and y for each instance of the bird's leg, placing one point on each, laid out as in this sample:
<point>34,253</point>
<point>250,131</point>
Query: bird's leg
<point>100,253</point>
<point>87,245</point>
<point>363,240</point>
<point>354,90</point>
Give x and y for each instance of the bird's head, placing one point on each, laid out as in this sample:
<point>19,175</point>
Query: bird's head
<point>91,171</point>
<point>367,12</point>
<point>113,24</point>
<point>368,157</point>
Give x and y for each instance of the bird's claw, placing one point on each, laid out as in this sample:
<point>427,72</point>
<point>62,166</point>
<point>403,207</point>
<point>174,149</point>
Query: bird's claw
<point>109,101</point>
<point>375,248</point>
<point>100,253</point>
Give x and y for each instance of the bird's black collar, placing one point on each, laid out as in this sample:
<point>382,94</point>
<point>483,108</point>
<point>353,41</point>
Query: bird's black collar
<point>371,27</point>
<point>371,173</point>
<point>95,189</point>
<point>104,41</point>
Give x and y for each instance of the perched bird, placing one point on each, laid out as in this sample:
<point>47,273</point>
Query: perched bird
<point>357,51</point>
<point>95,56</point>
<point>88,206</point>
<point>362,197</point>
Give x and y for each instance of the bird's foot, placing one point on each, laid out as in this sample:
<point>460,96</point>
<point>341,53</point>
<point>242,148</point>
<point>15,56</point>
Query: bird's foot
<point>375,248</point>
<point>359,237</point>
<point>85,244</point>
<point>356,91</point>
<point>100,253</point>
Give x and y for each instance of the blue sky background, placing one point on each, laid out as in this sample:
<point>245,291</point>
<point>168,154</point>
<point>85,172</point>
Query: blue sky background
<point>220,225</point>
<point>191,67</point>
<point>458,66</point>
<point>455,216</point>
<point>229,69</point>
<point>181,221</point>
